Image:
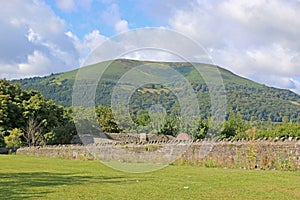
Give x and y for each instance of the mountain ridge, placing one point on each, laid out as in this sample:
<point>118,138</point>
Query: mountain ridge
<point>254,101</point>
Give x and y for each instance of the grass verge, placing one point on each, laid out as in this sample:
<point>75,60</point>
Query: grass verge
<point>26,177</point>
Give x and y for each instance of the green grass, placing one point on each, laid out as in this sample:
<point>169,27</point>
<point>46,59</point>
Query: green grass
<point>49,178</point>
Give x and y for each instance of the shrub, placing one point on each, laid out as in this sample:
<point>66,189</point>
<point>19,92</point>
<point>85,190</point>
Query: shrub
<point>233,126</point>
<point>170,127</point>
<point>14,138</point>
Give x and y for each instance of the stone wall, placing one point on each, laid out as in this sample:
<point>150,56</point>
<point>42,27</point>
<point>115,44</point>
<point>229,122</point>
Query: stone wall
<point>60,151</point>
<point>122,138</point>
<point>136,138</point>
<point>260,154</point>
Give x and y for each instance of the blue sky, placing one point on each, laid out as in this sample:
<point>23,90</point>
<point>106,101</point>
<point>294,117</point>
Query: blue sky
<point>256,39</point>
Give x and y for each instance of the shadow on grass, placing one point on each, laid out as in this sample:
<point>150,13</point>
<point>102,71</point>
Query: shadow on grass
<point>30,185</point>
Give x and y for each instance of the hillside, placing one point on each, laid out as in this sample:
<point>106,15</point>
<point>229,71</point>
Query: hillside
<point>252,100</point>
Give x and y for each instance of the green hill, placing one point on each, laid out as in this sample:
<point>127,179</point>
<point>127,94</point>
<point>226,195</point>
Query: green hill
<point>252,100</point>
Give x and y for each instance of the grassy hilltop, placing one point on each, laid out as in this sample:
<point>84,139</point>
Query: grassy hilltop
<point>252,100</point>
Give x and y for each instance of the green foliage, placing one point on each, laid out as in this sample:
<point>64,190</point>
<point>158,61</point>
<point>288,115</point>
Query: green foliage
<point>157,122</point>
<point>45,112</point>
<point>14,138</point>
<point>11,98</point>
<point>2,142</point>
<point>202,129</point>
<point>252,100</point>
<point>106,119</point>
<point>274,130</point>
<point>288,130</point>
<point>62,134</point>
<point>209,163</point>
<point>285,164</point>
<point>142,119</point>
<point>170,127</point>
<point>199,128</point>
<point>233,126</point>
<point>249,101</point>
<point>43,118</point>
<point>30,112</point>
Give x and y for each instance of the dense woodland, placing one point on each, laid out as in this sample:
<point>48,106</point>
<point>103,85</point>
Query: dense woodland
<point>27,118</point>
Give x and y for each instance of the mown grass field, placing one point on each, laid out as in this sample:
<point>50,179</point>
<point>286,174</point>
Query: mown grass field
<point>25,177</point>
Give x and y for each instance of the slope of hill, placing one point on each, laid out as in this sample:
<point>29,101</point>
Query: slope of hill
<point>252,100</point>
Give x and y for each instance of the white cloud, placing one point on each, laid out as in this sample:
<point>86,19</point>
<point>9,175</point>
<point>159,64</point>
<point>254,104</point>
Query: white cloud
<point>88,44</point>
<point>33,41</point>
<point>66,5</point>
<point>275,59</point>
<point>71,5</point>
<point>93,39</point>
<point>113,18</point>
<point>257,39</point>
<point>121,26</point>
<point>36,64</point>
<point>255,61</point>
<point>159,44</point>
<point>198,22</point>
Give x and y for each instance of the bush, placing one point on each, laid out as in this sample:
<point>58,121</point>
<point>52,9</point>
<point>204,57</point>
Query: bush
<point>169,128</point>
<point>202,129</point>
<point>61,135</point>
<point>14,138</point>
<point>233,126</point>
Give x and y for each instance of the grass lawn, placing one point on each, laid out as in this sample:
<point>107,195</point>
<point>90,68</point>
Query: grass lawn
<point>25,177</point>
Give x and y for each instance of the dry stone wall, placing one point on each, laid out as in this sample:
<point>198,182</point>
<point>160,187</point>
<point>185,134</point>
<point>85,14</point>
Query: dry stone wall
<point>253,154</point>
<point>136,138</point>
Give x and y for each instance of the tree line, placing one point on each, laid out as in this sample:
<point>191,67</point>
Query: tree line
<point>28,119</point>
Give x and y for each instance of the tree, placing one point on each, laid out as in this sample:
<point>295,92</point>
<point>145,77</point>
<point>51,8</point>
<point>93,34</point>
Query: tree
<point>202,129</point>
<point>106,119</point>
<point>61,135</point>
<point>288,130</point>
<point>43,117</point>
<point>2,142</point>
<point>142,119</point>
<point>11,97</point>
<point>33,133</point>
<point>64,133</point>
<point>14,138</point>
<point>29,112</point>
<point>233,125</point>
<point>170,127</point>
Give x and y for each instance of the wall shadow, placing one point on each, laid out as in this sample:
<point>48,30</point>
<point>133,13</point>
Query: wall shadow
<point>30,185</point>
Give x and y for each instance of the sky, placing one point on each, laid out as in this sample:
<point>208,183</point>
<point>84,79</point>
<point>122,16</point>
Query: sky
<point>257,39</point>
